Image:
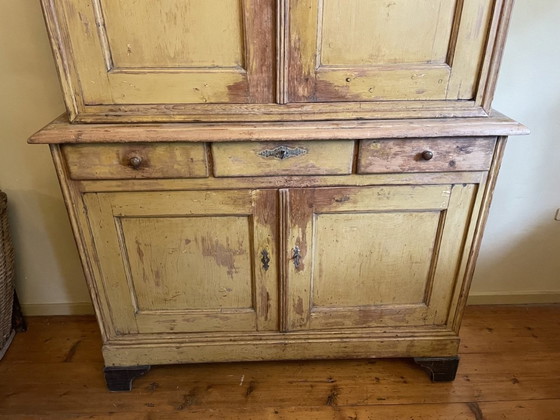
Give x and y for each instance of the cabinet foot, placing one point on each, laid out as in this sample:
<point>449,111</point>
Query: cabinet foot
<point>440,369</point>
<point>120,378</point>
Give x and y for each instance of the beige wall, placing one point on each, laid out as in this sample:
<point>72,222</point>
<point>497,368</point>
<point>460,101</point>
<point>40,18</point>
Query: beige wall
<point>48,268</point>
<point>520,254</point>
<point>519,259</point>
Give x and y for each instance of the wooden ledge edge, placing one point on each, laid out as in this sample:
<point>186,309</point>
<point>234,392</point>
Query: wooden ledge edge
<point>61,131</point>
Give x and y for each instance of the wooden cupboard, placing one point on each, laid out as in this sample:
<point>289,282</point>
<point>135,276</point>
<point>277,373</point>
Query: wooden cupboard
<point>268,180</point>
<point>248,60</point>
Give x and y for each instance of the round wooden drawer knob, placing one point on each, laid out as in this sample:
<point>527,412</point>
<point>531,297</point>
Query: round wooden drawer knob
<point>427,155</point>
<point>135,161</point>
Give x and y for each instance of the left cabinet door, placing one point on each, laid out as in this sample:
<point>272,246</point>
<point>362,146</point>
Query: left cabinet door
<point>187,261</point>
<point>157,53</point>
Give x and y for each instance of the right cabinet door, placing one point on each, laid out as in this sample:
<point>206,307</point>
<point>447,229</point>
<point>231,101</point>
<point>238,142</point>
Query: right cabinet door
<point>384,256</point>
<point>375,50</point>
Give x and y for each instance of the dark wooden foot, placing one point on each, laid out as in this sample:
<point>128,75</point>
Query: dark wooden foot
<point>440,369</point>
<point>120,378</point>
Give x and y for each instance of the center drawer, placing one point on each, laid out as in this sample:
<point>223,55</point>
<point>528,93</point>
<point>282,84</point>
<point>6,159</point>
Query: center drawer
<point>283,158</point>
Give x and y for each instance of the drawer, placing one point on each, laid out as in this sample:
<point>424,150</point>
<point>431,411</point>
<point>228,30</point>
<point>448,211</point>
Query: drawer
<point>136,160</point>
<point>425,155</point>
<point>283,158</point>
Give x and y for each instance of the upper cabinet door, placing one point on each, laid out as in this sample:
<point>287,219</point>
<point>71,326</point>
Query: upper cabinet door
<point>383,50</point>
<point>131,52</point>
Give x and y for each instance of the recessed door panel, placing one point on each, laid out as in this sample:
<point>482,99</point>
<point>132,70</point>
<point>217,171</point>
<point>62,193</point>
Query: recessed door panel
<point>174,33</point>
<point>170,52</point>
<point>385,32</point>
<point>353,267</point>
<point>377,50</point>
<point>200,263</point>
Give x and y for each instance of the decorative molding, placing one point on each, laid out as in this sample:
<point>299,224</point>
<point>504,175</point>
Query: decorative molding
<point>511,298</point>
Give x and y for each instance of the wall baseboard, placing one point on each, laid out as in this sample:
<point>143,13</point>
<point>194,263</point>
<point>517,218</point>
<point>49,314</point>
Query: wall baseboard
<point>513,298</point>
<point>484,298</point>
<point>46,309</point>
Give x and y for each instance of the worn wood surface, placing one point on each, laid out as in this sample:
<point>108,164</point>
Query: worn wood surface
<point>450,154</point>
<point>282,181</point>
<point>188,61</point>
<point>136,160</point>
<point>441,59</point>
<point>353,242</point>
<point>122,229</point>
<point>283,158</point>
<point>60,131</point>
<point>509,370</point>
<point>184,261</point>
<point>122,52</point>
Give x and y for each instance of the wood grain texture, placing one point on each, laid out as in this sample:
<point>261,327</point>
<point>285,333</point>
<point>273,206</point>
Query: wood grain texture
<point>60,131</point>
<point>116,161</point>
<point>338,285</point>
<point>451,154</point>
<point>413,178</point>
<point>128,53</point>
<point>447,38</point>
<point>283,158</point>
<point>175,34</point>
<point>374,31</point>
<point>171,64</point>
<point>164,267</point>
<point>469,49</point>
<point>508,370</point>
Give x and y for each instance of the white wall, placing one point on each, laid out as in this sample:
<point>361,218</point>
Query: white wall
<point>520,253</point>
<point>519,260</point>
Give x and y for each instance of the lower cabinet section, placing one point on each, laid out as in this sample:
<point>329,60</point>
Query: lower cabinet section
<point>278,267</point>
<point>210,261</point>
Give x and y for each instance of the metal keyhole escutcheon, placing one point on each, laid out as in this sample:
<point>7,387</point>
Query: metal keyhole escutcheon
<point>265,260</point>
<point>296,257</point>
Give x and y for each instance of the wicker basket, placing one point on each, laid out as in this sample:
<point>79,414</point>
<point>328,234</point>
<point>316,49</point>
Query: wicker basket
<point>7,275</point>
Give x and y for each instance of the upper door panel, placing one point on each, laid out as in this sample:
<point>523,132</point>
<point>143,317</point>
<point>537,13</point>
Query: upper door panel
<point>130,52</point>
<point>376,50</point>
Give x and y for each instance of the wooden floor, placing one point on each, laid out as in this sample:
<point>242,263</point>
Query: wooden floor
<point>510,369</point>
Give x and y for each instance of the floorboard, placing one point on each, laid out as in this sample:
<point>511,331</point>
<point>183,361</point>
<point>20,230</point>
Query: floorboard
<point>510,369</point>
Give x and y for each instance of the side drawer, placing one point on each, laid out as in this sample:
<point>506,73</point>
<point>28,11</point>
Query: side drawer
<point>283,158</point>
<point>426,155</point>
<point>136,160</point>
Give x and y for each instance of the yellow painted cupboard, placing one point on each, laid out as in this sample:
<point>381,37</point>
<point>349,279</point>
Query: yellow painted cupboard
<point>290,179</point>
<point>249,60</point>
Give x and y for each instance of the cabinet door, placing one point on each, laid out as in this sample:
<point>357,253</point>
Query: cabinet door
<point>197,261</point>
<point>370,50</point>
<point>374,256</point>
<point>167,52</point>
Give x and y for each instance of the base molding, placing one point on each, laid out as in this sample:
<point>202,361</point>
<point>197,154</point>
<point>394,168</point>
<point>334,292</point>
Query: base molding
<point>513,298</point>
<point>171,351</point>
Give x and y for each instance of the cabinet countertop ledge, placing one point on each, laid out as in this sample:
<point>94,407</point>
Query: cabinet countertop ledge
<point>61,131</point>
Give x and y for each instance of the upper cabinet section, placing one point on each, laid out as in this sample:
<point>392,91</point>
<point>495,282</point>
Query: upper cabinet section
<point>258,60</point>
